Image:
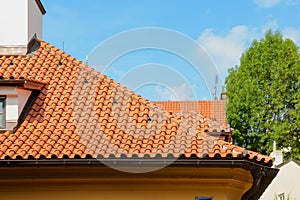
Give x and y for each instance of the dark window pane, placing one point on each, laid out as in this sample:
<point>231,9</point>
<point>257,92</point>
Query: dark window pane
<point>2,112</point>
<point>1,122</point>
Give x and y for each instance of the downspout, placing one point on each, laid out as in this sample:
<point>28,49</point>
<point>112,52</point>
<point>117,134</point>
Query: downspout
<point>257,177</point>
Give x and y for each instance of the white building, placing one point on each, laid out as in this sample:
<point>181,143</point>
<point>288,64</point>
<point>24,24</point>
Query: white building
<point>286,185</point>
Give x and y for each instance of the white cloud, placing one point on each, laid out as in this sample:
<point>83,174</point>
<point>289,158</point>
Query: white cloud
<point>226,51</point>
<point>272,24</point>
<point>175,93</point>
<point>266,3</point>
<point>288,32</point>
<point>164,94</point>
<point>291,33</point>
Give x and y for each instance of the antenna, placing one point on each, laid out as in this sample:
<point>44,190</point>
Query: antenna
<point>216,88</point>
<point>86,60</point>
<point>63,47</point>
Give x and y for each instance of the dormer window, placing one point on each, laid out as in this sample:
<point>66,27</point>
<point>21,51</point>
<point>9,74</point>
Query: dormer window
<point>12,101</point>
<point>16,98</point>
<point>2,112</point>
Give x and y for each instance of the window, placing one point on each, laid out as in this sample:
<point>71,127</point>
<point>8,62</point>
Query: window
<point>281,196</point>
<point>2,112</point>
<point>203,198</point>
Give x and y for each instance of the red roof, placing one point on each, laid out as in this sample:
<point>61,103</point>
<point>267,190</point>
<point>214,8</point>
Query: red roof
<point>81,113</point>
<point>214,109</point>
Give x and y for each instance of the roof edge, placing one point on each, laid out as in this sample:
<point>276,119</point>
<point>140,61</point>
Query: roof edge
<point>288,161</point>
<point>27,84</point>
<point>41,7</point>
<point>33,85</point>
<point>197,162</point>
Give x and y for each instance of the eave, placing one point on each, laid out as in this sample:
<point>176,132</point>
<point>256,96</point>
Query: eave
<point>26,84</point>
<point>262,175</point>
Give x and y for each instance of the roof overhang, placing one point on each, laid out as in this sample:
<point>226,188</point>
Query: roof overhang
<point>41,7</point>
<point>262,175</point>
<point>26,84</point>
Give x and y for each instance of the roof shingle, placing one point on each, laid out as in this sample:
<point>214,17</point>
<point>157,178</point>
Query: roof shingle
<point>215,109</point>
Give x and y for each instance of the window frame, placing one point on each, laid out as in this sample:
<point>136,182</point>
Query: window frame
<point>3,113</point>
<point>281,196</point>
<point>203,198</point>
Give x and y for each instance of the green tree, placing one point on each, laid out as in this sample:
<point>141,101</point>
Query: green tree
<point>264,96</point>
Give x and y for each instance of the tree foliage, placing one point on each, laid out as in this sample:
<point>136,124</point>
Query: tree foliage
<point>264,96</point>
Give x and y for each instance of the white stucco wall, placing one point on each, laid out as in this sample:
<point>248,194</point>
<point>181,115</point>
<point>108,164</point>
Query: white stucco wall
<point>23,96</point>
<point>11,94</point>
<point>12,108</point>
<point>287,181</point>
<point>34,20</point>
<point>13,14</point>
<point>20,20</point>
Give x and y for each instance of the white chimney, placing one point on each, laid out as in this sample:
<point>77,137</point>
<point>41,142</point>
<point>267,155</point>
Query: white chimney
<point>277,154</point>
<point>21,20</point>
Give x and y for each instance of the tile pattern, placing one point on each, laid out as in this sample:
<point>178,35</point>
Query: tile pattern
<point>81,113</point>
<point>214,109</point>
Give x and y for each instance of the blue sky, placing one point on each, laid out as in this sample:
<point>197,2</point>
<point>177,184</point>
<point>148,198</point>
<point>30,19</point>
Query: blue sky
<point>224,29</point>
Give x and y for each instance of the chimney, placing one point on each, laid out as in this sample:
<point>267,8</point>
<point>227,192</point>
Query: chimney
<point>21,20</point>
<point>277,154</point>
<point>223,94</point>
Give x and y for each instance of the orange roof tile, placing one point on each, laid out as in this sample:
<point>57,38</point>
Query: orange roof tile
<point>81,113</point>
<point>214,109</point>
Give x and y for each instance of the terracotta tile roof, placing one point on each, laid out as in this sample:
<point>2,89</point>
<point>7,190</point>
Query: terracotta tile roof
<point>80,113</point>
<point>214,109</point>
